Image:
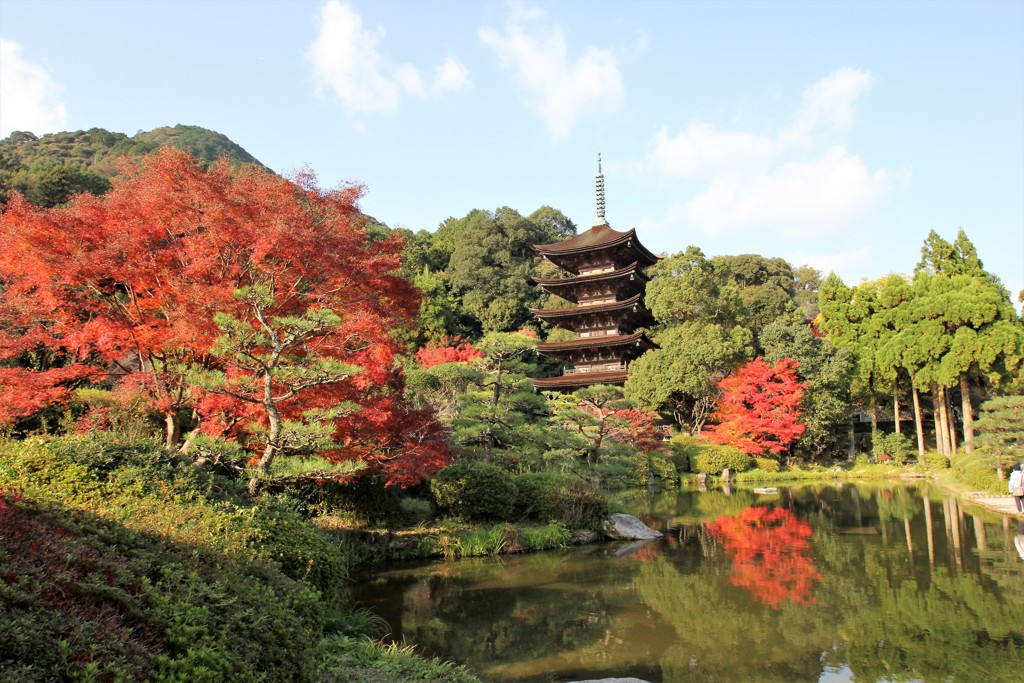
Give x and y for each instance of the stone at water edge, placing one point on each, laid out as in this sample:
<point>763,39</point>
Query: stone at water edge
<point>620,527</point>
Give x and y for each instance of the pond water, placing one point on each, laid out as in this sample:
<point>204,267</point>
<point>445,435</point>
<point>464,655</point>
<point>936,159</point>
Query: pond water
<point>812,583</point>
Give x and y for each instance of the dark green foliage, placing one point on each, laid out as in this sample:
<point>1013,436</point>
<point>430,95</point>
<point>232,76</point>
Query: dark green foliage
<point>1001,429</point>
<point>365,498</point>
<point>50,169</point>
<point>899,447</point>
<point>548,496</point>
<point>828,371</point>
<point>475,490</point>
<point>171,575</point>
<point>713,459</point>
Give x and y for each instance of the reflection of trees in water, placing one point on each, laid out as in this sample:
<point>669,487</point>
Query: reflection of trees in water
<point>937,596</point>
<point>770,551</point>
<point>721,635</point>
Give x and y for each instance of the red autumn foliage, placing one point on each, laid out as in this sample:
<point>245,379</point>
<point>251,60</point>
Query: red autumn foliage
<point>760,408</point>
<point>128,285</point>
<point>640,428</point>
<point>770,551</point>
<point>462,353</point>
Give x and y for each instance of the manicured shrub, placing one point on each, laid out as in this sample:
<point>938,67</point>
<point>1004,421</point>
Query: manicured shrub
<point>714,459</point>
<point>538,494</point>
<point>475,490</point>
<point>767,464</point>
<point>552,497</point>
<point>898,448</point>
<point>935,460</point>
<point>581,506</point>
<point>684,449</point>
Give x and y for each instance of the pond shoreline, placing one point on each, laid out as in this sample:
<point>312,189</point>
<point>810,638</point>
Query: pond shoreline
<point>385,546</point>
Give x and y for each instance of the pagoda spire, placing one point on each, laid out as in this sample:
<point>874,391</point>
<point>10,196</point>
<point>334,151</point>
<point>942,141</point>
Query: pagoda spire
<point>600,194</point>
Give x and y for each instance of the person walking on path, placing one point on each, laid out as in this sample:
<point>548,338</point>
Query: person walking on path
<point>1016,487</point>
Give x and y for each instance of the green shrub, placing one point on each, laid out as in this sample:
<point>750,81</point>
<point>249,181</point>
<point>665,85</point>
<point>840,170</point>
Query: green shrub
<point>581,506</point>
<point>714,459</point>
<point>552,497</point>
<point>977,471</point>
<point>415,510</point>
<point>684,449</point>
<point>935,460</point>
<point>767,464</point>
<point>538,494</point>
<point>475,490</point>
<point>896,446</point>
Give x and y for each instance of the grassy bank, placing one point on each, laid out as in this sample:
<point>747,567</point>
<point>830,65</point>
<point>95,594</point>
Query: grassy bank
<point>120,561</point>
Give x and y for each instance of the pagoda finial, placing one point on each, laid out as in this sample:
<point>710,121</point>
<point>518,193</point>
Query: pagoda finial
<point>600,194</point>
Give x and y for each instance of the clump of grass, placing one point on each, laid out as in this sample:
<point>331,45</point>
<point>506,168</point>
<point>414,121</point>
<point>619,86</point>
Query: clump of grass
<point>361,660</point>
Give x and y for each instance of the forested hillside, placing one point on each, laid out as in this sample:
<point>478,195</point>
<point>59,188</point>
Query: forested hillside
<point>49,169</point>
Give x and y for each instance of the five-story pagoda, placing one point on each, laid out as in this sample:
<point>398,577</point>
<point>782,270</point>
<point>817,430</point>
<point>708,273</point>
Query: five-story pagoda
<point>607,288</point>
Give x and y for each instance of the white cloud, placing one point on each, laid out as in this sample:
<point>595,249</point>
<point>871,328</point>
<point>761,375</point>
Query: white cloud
<point>347,62</point>
<point>800,180</point>
<point>557,87</point>
<point>29,96</point>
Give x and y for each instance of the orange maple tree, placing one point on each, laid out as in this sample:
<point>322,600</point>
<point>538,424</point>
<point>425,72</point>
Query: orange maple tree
<point>253,300</point>
<point>770,549</point>
<point>760,408</point>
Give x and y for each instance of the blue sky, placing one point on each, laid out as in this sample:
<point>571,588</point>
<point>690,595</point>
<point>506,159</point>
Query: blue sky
<point>829,133</point>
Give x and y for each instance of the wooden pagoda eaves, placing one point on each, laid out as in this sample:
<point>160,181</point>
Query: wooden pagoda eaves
<point>626,282</point>
<point>601,244</point>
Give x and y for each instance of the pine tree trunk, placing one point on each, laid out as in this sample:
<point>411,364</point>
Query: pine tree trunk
<point>918,423</point>
<point>896,404</point>
<point>941,435</point>
<point>873,409</point>
<point>853,441</point>
<point>947,406</point>
<point>965,402</point>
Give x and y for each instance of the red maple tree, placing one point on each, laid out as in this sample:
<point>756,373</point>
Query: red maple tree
<point>770,551</point>
<point>464,352</point>
<point>252,299</point>
<point>759,411</point>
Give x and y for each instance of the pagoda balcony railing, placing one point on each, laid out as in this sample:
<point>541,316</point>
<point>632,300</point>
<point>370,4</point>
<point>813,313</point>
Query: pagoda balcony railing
<point>609,367</point>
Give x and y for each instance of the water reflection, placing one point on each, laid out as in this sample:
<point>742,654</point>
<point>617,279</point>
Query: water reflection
<point>770,550</point>
<point>834,583</point>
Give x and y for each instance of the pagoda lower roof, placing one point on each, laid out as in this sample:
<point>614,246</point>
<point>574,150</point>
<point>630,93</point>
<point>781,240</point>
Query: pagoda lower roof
<point>557,313</point>
<point>601,342</point>
<point>580,379</point>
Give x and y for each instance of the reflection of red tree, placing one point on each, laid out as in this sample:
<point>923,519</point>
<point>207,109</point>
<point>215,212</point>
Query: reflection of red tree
<point>770,554</point>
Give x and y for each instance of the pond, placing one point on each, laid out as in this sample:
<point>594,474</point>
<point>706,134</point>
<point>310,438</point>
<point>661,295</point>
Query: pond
<point>813,583</point>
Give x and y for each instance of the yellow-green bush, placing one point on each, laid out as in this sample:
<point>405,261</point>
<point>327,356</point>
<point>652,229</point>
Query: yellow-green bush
<point>713,459</point>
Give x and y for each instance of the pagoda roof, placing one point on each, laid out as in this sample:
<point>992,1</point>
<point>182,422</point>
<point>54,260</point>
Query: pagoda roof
<point>600,342</point>
<point>600,237</point>
<point>556,313</point>
<point>631,269</point>
<point>580,379</point>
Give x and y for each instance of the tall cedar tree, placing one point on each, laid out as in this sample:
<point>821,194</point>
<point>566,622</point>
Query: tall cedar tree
<point>272,283</point>
<point>760,408</point>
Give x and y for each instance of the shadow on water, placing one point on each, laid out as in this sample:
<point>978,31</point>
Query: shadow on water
<point>812,583</point>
